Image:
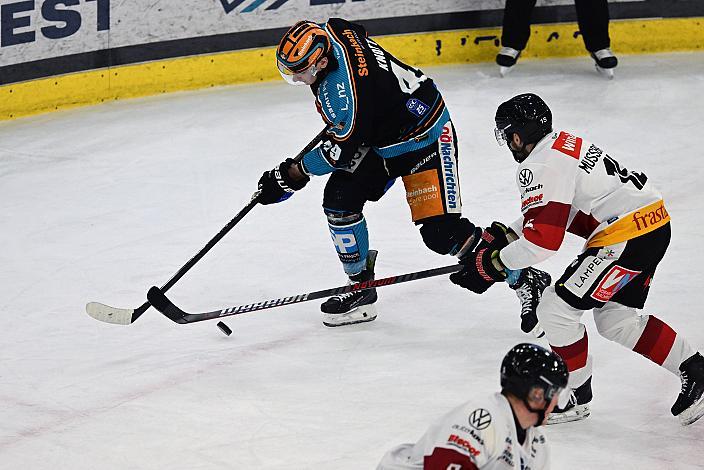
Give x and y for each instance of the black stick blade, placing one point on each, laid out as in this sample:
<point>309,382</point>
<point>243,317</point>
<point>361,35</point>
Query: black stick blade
<point>162,303</point>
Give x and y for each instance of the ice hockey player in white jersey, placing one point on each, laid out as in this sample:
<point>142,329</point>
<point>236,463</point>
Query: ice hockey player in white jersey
<point>500,432</point>
<point>568,184</point>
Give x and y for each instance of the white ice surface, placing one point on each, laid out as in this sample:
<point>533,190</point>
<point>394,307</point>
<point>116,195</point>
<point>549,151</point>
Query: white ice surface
<point>101,203</point>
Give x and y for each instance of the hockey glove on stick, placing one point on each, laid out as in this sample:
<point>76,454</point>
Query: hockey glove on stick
<point>496,236</point>
<point>482,268</point>
<point>278,185</point>
<point>493,238</point>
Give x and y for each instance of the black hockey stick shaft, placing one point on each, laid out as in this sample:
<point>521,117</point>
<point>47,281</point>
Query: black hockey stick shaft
<point>162,303</point>
<point>235,220</point>
<point>240,215</point>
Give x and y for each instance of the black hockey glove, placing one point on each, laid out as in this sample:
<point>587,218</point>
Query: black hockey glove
<point>496,236</point>
<point>482,268</point>
<point>277,185</point>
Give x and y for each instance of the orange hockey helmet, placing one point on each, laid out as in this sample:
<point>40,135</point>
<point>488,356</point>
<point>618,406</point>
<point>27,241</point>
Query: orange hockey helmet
<point>303,45</point>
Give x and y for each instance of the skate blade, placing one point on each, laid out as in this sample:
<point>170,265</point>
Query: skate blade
<point>693,413</point>
<point>362,314</point>
<point>503,71</point>
<point>577,413</point>
<point>608,73</point>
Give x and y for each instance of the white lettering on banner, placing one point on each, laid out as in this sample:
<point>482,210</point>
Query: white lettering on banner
<point>61,19</point>
<point>447,150</point>
<point>136,22</point>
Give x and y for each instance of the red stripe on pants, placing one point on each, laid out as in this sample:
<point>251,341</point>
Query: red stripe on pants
<point>575,354</point>
<point>656,341</point>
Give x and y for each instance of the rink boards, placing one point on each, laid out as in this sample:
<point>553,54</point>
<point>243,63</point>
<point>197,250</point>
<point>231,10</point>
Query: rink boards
<point>67,90</point>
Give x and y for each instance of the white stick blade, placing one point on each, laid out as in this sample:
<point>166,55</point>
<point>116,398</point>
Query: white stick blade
<point>108,314</point>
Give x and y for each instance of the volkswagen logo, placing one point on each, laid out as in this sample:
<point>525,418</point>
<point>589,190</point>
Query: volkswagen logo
<point>480,419</point>
<point>525,177</point>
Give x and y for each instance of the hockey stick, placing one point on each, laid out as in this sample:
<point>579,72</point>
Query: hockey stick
<point>162,303</point>
<point>124,316</point>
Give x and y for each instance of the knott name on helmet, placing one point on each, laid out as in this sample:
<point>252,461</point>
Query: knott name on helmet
<point>351,36</point>
<point>374,283</point>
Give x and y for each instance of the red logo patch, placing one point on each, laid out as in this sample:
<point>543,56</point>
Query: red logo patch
<point>568,144</point>
<point>615,279</point>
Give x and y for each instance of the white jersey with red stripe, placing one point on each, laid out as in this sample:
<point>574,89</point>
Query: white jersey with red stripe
<point>570,184</point>
<point>473,436</point>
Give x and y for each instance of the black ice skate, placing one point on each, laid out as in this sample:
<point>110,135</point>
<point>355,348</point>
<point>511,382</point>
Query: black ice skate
<point>605,62</point>
<point>529,288</point>
<point>506,59</point>
<point>689,406</point>
<point>353,307</point>
<point>577,408</point>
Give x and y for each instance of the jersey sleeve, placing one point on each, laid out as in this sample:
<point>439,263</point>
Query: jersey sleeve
<point>546,203</point>
<point>331,155</point>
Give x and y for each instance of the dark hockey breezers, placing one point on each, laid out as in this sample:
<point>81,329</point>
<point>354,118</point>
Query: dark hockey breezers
<point>356,306</point>
<point>689,406</point>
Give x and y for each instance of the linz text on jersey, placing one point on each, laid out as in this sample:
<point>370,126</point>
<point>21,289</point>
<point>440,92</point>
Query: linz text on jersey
<point>351,36</point>
<point>590,158</point>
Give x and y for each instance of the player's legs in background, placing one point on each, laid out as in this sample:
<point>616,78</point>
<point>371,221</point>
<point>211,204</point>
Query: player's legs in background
<point>515,32</point>
<point>344,197</point>
<point>593,19</point>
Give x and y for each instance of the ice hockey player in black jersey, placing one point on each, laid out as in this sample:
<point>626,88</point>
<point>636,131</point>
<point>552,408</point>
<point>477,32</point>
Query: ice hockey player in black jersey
<point>386,120</point>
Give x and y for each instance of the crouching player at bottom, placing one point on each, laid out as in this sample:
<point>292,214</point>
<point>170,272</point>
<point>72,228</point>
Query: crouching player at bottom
<point>570,184</point>
<point>500,432</point>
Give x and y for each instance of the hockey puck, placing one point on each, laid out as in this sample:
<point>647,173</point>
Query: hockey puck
<point>224,328</point>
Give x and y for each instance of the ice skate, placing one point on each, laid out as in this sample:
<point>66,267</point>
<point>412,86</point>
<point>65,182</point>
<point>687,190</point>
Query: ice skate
<point>577,408</point>
<point>605,62</point>
<point>506,59</point>
<point>529,288</point>
<point>689,406</point>
<point>353,307</point>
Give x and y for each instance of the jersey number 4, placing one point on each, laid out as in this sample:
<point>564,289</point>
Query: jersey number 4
<point>407,79</point>
<point>614,169</point>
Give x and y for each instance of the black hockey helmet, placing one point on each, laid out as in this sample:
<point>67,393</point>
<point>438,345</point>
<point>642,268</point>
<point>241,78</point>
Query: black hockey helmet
<point>528,367</point>
<point>526,115</point>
